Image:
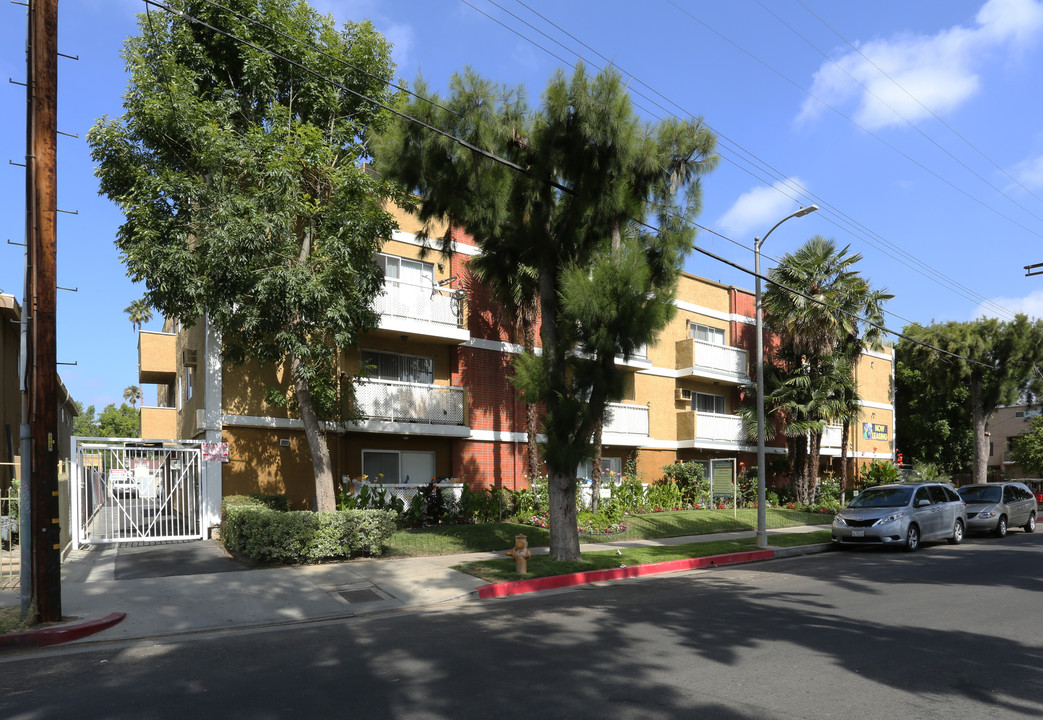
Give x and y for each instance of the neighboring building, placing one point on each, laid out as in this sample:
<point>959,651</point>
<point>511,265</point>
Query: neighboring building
<point>437,401</point>
<point>1004,424</point>
<point>11,410</point>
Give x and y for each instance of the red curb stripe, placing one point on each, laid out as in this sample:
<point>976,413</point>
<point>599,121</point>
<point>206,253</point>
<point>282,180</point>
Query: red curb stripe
<point>62,634</point>
<point>518,587</point>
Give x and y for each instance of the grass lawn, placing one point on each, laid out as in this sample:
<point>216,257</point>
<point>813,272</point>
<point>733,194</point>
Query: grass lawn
<point>451,539</point>
<point>544,566</point>
<point>11,620</point>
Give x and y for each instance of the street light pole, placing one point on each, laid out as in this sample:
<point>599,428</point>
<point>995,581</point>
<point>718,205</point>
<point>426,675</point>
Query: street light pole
<point>762,516</point>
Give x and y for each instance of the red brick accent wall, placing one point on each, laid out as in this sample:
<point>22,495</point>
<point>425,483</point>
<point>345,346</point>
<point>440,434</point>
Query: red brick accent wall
<point>490,464</point>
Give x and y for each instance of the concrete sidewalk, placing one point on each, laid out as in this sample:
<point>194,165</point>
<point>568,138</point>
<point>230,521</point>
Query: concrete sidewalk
<point>196,587</point>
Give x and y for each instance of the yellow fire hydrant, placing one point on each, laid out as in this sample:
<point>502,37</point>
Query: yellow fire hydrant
<point>521,553</point>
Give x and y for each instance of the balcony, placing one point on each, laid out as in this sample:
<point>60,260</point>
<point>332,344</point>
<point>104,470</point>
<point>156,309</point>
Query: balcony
<point>723,363</point>
<point>157,358</point>
<point>402,407</point>
<point>625,425</point>
<point>712,428</point>
<point>831,437</point>
<point>638,360</point>
<point>158,423</point>
<point>427,311</point>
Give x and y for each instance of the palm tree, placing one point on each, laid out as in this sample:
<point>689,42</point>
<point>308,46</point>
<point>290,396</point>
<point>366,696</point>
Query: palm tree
<point>132,394</point>
<point>138,312</point>
<point>821,337</point>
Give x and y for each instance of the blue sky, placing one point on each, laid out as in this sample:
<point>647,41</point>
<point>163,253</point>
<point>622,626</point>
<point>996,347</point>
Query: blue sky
<point>914,124</point>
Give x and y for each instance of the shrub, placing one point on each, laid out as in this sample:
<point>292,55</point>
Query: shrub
<point>664,494</point>
<point>630,493</point>
<point>879,472</point>
<point>270,536</point>
<point>691,481</point>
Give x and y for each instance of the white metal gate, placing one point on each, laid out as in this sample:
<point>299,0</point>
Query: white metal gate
<point>133,491</point>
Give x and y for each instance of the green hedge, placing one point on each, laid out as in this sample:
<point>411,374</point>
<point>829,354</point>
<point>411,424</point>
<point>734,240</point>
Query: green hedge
<point>263,535</point>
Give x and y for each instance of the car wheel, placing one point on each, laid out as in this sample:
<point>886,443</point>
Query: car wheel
<point>1030,526</point>
<point>957,533</point>
<point>912,539</point>
<point>1001,527</point>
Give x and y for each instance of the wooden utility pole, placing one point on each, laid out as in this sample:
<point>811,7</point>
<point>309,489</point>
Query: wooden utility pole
<point>42,361</point>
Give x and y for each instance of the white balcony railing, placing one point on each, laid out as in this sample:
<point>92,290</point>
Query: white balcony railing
<point>832,436</point>
<point>723,358</point>
<point>410,402</point>
<point>426,302</point>
<point>626,419</point>
<point>717,426</point>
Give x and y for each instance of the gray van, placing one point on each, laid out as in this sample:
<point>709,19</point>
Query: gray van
<point>995,507</point>
<point>902,514</point>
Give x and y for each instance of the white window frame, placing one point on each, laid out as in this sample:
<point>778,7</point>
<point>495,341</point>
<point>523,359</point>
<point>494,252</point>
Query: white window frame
<point>713,335</point>
<point>608,464</point>
<point>400,480</point>
<point>430,361</point>
<point>720,403</point>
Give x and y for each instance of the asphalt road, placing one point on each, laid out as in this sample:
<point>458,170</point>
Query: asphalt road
<point>947,632</point>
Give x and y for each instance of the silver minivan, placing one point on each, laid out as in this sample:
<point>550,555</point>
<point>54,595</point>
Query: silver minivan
<point>994,507</point>
<point>902,514</point>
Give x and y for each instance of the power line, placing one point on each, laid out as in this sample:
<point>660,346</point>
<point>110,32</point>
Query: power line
<point>503,161</point>
<point>852,226</point>
<point>915,99</point>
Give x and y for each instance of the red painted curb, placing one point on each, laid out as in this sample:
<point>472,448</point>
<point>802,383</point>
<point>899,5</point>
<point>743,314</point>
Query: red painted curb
<point>61,634</point>
<point>518,587</point>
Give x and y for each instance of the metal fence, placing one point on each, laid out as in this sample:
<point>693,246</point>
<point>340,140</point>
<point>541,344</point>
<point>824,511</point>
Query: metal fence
<point>127,492</point>
<point>10,550</point>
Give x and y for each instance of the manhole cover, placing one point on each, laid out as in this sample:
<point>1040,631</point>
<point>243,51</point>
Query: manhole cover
<point>360,596</point>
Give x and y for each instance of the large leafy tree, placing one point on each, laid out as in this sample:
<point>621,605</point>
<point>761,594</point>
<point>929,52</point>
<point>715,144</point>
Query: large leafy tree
<point>119,422</point>
<point>240,175</point>
<point>935,426</point>
<point>584,168</point>
<point>996,361</point>
<point>1026,449</point>
<point>822,331</point>
<point>85,424</point>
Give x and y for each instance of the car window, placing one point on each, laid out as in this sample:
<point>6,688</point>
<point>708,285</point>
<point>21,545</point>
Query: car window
<point>882,497</point>
<point>1008,494</point>
<point>938,494</point>
<point>921,494</point>
<point>1023,492</point>
<point>951,494</point>
<point>980,494</point>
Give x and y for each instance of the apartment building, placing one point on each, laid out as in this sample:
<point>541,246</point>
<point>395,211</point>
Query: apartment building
<point>1004,424</point>
<point>435,400</point>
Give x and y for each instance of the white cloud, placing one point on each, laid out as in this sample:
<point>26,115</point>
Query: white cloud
<point>758,209</point>
<point>1030,173</point>
<point>938,71</point>
<point>1031,305</point>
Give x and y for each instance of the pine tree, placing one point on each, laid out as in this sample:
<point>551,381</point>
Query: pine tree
<point>589,169</point>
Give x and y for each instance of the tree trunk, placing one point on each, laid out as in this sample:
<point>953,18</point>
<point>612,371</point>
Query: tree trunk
<point>564,545</point>
<point>595,470</point>
<point>815,443</point>
<point>981,442</point>
<point>532,420</point>
<point>320,453</point>
<point>843,461</point>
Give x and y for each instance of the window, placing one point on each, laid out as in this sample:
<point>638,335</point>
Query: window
<point>404,368</point>
<point>411,272</point>
<point>704,402</point>
<point>395,467</point>
<point>380,466</point>
<point>706,333</point>
<point>608,464</point>
<point>188,382</point>
<point>921,494</point>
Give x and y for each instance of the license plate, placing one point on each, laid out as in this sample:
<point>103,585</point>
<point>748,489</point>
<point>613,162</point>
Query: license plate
<point>858,533</point>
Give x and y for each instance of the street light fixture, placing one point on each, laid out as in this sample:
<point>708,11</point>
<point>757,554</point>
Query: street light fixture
<point>762,521</point>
